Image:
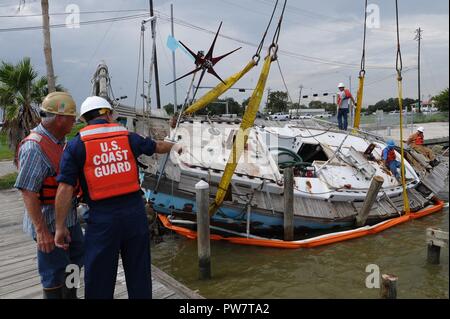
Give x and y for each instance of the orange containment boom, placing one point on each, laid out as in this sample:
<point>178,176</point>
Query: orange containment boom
<point>316,241</point>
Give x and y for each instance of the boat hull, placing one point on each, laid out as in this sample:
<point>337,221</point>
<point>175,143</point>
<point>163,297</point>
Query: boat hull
<point>231,220</point>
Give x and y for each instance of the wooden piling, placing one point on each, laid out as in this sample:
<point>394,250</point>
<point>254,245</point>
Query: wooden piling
<point>289,204</point>
<point>436,239</point>
<point>371,197</point>
<point>389,286</point>
<point>203,234</point>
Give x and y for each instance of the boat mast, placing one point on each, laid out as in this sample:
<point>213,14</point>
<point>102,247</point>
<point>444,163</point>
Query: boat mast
<point>155,57</point>
<point>175,105</point>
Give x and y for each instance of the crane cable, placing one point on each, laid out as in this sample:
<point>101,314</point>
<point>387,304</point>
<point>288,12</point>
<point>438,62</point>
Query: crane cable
<point>248,121</point>
<point>399,68</point>
<point>221,88</point>
<point>362,76</point>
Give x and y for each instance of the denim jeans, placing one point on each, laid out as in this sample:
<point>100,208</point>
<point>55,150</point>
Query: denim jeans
<point>393,166</point>
<point>52,266</point>
<point>343,119</point>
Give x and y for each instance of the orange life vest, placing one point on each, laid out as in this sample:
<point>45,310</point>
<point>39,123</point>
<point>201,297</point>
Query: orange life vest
<point>110,168</point>
<point>391,155</point>
<point>419,139</point>
<point>53,152</point>
<point>348,95</point>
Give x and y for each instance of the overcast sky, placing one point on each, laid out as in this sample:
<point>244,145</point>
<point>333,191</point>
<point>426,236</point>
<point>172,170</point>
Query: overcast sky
<point>320,43</point>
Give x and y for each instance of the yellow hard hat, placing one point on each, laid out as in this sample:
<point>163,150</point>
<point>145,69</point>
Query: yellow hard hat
<point>60,103</point>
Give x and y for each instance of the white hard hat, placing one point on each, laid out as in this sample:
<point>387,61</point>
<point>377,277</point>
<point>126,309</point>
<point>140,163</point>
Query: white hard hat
<point>421,129</point>
<point>341,85</point>
<point>94,103</point>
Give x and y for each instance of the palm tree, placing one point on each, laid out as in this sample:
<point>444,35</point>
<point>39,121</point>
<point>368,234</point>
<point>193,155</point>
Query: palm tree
<point>21,91</point>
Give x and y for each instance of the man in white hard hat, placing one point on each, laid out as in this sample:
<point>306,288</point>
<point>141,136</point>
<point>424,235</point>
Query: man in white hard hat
<point>416,141</point>
<point>38,159</point>
<point>103,157</point>
<point>344,97</point>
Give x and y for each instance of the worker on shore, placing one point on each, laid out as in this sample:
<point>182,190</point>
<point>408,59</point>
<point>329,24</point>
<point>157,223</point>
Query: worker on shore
<point>343,101</point>
<point>38,159</point>
<point>416,141</point>
<point>390,159</point>
<point>103,157</point>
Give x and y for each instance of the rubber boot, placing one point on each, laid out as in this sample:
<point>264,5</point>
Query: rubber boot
<point>69,293</point>
<point>53,293</point>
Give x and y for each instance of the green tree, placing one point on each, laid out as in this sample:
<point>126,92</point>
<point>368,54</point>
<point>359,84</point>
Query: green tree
<point>245,103</point>
<point>328,107</point>
<point>442,100</point>
<point>390,105</point>
<point>21,92</point>
<point>169,108</point>
<point>278,102</point>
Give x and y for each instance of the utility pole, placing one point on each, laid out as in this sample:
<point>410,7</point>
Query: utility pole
<point>299,97</point>
<point>155,58</point>
<point>418,38</point>
<point>351,109</point>
<point>175,106</point>
<point>48,47</point>
<point>267,102</point>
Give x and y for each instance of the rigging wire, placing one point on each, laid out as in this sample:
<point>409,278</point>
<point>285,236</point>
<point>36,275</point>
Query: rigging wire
<point>363,57</point>
<point>399,68</point>
<point>138,71</point>
<point>261,44</point>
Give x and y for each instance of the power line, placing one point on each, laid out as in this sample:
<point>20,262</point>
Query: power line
<point>67,13</point>
<point>191,26</point>
<point>284,52</point>
<point>64,25</point>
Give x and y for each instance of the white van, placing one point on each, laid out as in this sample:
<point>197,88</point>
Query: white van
<point>279,117</point>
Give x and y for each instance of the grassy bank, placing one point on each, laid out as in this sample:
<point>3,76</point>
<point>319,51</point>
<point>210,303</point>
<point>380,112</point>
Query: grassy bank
<point>7,181</point>
<point>425,118</point>
<point>394,119</point>
<point>75,129</point>
<point>5,152</point>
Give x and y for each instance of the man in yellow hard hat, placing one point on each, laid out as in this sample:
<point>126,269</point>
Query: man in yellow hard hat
<point>38,159</point>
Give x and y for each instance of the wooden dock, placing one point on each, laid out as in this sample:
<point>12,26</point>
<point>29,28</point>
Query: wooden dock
<point>18,265</point>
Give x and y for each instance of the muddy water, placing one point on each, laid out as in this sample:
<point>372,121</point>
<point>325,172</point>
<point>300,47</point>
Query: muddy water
<point>334,271</point>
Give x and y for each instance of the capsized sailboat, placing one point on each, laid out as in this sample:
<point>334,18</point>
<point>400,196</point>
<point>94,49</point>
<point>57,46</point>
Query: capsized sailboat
<point>330,184</point>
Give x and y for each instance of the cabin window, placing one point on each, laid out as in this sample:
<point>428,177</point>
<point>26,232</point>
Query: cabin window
<point>312,152</point>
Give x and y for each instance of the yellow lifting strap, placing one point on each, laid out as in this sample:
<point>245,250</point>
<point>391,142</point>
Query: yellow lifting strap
<point>221,88</point>
<point>403,173</point>
<point>242,136</point>
<point>359,100</point>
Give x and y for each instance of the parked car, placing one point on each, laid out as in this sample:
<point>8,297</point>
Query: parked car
<point>279,117</point>
<point>323,116</point>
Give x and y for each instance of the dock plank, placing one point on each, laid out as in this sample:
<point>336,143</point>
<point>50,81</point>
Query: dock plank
<point>19,278</point>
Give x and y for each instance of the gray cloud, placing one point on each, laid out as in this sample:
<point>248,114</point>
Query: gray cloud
<point>326,30</point>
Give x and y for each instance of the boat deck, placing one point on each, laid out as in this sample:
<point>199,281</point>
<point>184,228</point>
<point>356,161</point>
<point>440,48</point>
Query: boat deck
<point>18,266</point>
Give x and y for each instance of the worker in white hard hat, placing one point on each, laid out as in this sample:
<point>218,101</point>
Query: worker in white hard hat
<point>38,160</point>
<point>416,142</point>
<point>344,97</point>
<point>103,156</point>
